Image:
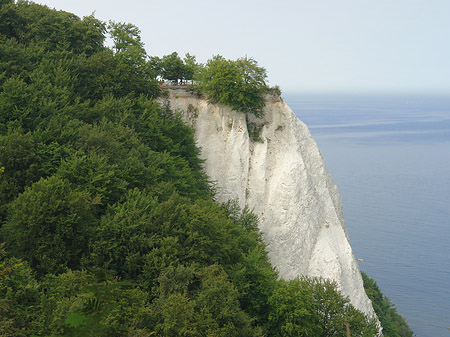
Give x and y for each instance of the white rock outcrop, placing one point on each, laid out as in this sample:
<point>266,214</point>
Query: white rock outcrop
<point>283,179</point>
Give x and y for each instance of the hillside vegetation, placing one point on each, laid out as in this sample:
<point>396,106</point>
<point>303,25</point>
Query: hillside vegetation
<point>393,324</point>
<point>108,223</point>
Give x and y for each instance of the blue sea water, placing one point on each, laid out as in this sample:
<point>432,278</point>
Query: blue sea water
<point>390,157</point>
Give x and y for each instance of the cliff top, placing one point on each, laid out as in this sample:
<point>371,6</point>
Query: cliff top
<point>179,91</point>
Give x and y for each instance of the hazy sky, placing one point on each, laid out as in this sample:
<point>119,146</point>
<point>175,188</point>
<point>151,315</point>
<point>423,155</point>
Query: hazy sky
<point>305,45</point>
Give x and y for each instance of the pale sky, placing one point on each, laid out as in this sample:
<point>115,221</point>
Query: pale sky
<point>305,45</point>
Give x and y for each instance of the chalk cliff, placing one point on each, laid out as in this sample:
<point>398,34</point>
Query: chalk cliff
<point>282,177</point>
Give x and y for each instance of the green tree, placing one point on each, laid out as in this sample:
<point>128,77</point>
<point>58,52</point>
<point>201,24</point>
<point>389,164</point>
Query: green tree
<point>126,35</point>
<point>172,67</point>
<point>18,159</point>
<point>239,84</point>
<point>93,173</point>
<point>125,235</point>
<point>191,68</point>
<point>155,64</point>
<point>314,307</point>
<point>292,312</point>
<point>4,2</point>
<point>255,279</point>
<point>57,220</point>
<point>81,303</point>
<point>19,296</point>
<point>394,325</point>
<point>35,24</point>
<point>129,48</point>
<point>196,301</point>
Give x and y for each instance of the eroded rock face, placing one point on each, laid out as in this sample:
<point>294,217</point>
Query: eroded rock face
<point>283,179</point>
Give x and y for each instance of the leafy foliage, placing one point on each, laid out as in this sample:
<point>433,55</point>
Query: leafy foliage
<point>197,301</point>
<point>172,68</point>
<point>239,84</point>
<point>393,324</point>
<point>79,303</point>
<point>19,296</point>
<point>56,219</point>
<point>313,307</point>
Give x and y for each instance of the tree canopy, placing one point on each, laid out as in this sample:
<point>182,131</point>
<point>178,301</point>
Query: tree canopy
<point>173,68</point>
<point>239,84</point>
<point>393,324</point>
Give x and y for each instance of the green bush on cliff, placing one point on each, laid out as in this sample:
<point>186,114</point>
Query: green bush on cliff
<point>393,324</point>
<point>314,307</point>
<point>240,84</point>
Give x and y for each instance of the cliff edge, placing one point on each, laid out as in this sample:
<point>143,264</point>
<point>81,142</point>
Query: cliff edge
<point>282,177</point>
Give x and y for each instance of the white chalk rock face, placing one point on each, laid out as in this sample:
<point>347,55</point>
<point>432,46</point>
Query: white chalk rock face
<point>282,177</point>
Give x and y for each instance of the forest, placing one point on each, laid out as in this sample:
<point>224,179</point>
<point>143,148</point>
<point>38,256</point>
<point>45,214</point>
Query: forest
<point>108,224</point>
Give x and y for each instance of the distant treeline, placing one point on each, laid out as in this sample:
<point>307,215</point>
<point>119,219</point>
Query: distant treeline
<point>108,224</point>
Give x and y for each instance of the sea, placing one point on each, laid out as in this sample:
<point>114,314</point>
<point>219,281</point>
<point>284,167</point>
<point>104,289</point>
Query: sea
<point>390,158</point>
